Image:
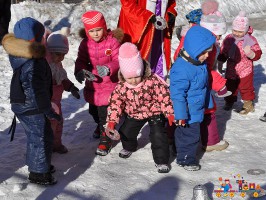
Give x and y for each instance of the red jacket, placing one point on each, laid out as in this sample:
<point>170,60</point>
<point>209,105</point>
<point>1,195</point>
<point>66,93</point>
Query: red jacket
<point>135,18</point>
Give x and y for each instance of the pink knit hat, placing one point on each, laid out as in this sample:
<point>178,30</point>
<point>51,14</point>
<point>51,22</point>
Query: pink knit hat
<point>130,61</point>
<point>212,19</point>
<point>241,22</point>
<point>93,19</point>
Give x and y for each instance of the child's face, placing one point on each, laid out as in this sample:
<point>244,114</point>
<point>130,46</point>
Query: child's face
<point>96,34</point>
<point>218,37</point>
<point>134,81</point>
<point>203,56</point>
<point>57,57</point>
<point>238,34</point>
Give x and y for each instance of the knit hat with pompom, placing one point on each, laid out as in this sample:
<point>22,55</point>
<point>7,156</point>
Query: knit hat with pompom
<point>58,42</point>
<point>212,19</point>
<point>93,19</point>
<point>130,61</point>
<point>241,22</point>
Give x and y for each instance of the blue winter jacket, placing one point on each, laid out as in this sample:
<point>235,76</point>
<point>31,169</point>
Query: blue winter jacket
<point>31,85</point>
<point>189,82</point>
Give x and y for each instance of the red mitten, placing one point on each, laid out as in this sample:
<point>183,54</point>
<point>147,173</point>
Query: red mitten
<point>111,132</point>
<point>171,119</point>
<point>111,125</point>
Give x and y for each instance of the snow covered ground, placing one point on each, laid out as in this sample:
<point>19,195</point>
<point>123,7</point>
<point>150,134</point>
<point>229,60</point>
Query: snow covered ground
<point>82,175</point>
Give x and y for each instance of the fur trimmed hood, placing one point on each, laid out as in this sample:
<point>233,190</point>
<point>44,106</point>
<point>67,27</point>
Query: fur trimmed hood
<point>23,48</point>
<point>117,33</point>
<point>147,72</point>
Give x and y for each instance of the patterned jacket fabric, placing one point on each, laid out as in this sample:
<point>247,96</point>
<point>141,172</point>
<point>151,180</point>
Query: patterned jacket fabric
<point>150,98</point>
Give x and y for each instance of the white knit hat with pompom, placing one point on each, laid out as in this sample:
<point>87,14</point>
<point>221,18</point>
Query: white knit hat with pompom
<point>212,19</point>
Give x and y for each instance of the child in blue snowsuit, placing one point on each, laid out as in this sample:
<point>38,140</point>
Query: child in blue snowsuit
<point>30,96</point>
<point>190,94</point>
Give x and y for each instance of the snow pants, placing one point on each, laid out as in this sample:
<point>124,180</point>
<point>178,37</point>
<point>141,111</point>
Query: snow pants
<point>158,136</point>
<point>244,86</point>
<point>209,131</point>
<point>39,142</point>
<point>57,128</point>
<point>187,140</point>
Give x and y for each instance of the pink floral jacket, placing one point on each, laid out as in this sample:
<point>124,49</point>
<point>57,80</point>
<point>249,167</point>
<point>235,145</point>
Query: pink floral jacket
<point>151,97</point>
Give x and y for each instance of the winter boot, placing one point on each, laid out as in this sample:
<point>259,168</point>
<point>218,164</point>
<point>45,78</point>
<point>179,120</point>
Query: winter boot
<point>263,118</point>
<point>97,132</point>
<point>247,107</point>
<point>125,153</point>
<point>228,106</point>
<point>105,145</point>
<point>190,167</point>
<point>163,168</point>
<point>217,147</point>
<point>42,178</point>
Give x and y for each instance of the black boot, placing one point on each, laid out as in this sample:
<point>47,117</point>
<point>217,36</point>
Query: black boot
<point>42,178</point>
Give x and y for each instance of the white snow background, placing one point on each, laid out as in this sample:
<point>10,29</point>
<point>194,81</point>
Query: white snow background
<point>83,175</point>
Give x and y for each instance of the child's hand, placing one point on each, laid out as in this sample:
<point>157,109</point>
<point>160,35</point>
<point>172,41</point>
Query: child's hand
<point>75,92</point>
<point>111,132</point>
<point>181,122</point>
<point>249,53</point>
<point>80,76</point>
<point>103,70</point>
<point>50,114</point>
<point>88,75</point>
<point>171,119</point>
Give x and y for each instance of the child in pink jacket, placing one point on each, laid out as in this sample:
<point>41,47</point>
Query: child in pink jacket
<point>97,62</point>
<point>240,49</point>
<point>57,46</point>
<point>142,97</point>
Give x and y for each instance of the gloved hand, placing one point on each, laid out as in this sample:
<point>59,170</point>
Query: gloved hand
<point>249,53</point>
<point>88,75</point>
<point>223,92</point>
<point>75,92</point>
<point>80,76</point>
<point>159,22</point>
<point>50,114</point>
<point>111,132</point>
<point>171,119</point>
<point>171,21</point>
<point>103,70</point>
<point>111,125</point>
<point>181,122</point>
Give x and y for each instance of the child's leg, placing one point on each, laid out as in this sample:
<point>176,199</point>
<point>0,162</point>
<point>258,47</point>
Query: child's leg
<point>39,142</point>
<point>187,140</point>
<point>93,110</point>
<point>105,143</point>
<point>209,131</point>
<point>129,132</point>
<point>159,140</point>
<point>246,88</point>
<point>247,92</point>
<point>232,85</point>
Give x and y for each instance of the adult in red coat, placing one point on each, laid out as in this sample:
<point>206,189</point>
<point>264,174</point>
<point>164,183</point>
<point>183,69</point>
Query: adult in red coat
<point>138,20</point>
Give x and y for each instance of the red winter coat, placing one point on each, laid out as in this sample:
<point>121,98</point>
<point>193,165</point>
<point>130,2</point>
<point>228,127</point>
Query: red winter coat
<point>103,53</point>
<point>134,20</point>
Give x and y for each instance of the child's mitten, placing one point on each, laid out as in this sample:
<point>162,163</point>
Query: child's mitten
<point>249,53</point>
